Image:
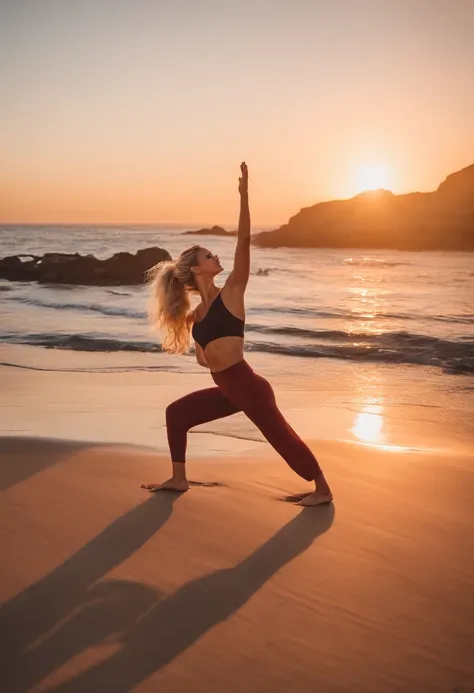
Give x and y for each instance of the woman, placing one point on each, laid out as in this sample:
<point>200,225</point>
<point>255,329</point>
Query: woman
<point>217,326</point>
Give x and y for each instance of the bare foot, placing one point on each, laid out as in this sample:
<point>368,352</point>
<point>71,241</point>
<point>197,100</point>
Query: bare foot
<point>317,498</point>
<point>170,485</point>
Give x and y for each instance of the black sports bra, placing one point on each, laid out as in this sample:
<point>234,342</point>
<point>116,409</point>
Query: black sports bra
<point>218,322</point>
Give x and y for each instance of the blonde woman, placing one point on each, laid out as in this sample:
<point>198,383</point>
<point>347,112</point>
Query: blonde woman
<point>217,327</point>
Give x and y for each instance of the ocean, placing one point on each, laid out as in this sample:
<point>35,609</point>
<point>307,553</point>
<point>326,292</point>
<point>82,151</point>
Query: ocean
<point>358,305</point>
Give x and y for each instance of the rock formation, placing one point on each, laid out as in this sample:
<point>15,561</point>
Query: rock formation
<point>64,268</point>
<point>213,231</point>
<point>440,220</point>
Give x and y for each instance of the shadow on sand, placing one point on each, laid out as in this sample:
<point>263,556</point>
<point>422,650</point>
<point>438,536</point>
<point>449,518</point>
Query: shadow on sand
<point>23,457</point>
<point>72,609</point>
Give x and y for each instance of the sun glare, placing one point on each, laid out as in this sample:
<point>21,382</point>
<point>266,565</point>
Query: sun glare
<point>368,425</point>
<point>372,177</point>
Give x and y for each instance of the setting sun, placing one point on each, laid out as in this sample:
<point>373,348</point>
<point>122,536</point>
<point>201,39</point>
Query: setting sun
<point>372,177</point>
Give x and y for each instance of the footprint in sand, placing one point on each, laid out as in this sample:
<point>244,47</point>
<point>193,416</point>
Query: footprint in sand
<point>295,498</point>
<point>154,488</point>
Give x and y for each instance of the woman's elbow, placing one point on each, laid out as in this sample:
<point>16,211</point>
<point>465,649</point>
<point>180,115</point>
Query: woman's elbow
<point>201,360</point>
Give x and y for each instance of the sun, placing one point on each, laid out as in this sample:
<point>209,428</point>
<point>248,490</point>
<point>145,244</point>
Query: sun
<point>372,176</point>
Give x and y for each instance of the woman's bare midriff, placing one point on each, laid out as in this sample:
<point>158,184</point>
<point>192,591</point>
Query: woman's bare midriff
<point>223,353</point>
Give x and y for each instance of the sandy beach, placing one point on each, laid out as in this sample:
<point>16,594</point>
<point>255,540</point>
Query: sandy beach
<point>106,587</point>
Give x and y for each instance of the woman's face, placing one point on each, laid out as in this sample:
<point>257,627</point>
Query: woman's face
<point>208,262</point>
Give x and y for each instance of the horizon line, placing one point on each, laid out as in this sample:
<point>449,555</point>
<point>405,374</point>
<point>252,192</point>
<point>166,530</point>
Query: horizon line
<point>162,224</point>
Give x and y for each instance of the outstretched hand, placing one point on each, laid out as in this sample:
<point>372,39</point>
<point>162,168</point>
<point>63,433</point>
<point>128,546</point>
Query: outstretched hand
<point>244,179</point>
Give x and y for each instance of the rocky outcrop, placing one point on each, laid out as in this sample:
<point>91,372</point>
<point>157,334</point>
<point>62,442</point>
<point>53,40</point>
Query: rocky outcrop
<point>64,268</point>
<point>439,220</point>
<point>213,231</point>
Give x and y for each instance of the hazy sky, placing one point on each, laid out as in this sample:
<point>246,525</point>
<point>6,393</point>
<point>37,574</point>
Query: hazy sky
<point>141,110</point>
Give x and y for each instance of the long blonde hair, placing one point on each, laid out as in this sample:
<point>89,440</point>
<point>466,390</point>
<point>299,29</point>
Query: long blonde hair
<point>171,283</point>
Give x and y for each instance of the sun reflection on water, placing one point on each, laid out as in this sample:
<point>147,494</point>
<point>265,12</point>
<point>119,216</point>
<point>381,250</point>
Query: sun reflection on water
<point>368,425</point>
<point>367,303</point>
<point>368,429</point>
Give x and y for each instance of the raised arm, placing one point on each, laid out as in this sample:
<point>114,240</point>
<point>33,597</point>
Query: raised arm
<point>239,276</point>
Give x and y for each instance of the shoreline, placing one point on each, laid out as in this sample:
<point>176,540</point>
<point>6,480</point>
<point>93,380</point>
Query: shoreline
<point>98,396</point>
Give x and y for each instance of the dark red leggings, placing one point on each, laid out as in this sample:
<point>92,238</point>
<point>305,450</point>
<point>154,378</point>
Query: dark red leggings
<point>239,388</point>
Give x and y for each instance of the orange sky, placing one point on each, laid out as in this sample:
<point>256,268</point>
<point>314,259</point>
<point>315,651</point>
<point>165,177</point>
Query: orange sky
<point>141,112</point>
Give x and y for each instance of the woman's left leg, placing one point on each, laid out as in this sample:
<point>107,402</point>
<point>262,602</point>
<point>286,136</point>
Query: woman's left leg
<point>263,411</point>
<point>254,395</point>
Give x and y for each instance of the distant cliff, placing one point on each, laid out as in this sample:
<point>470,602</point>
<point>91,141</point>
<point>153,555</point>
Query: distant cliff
<point>439,220</point>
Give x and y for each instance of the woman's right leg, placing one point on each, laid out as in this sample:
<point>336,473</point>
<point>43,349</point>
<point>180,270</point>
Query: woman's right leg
<point>192,410</point>
<point>183,414</point>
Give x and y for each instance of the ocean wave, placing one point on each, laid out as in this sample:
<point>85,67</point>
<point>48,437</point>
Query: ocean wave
<point>391,347</point>
<point>300,332</point>
<point>55,287</point>
<point>348,315</point>
<point>83,307</point>
<point>79,342</point>
<point>452,357</point>
<point>265,271</point>
<point>287,310</point>
<point>347,336</point>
